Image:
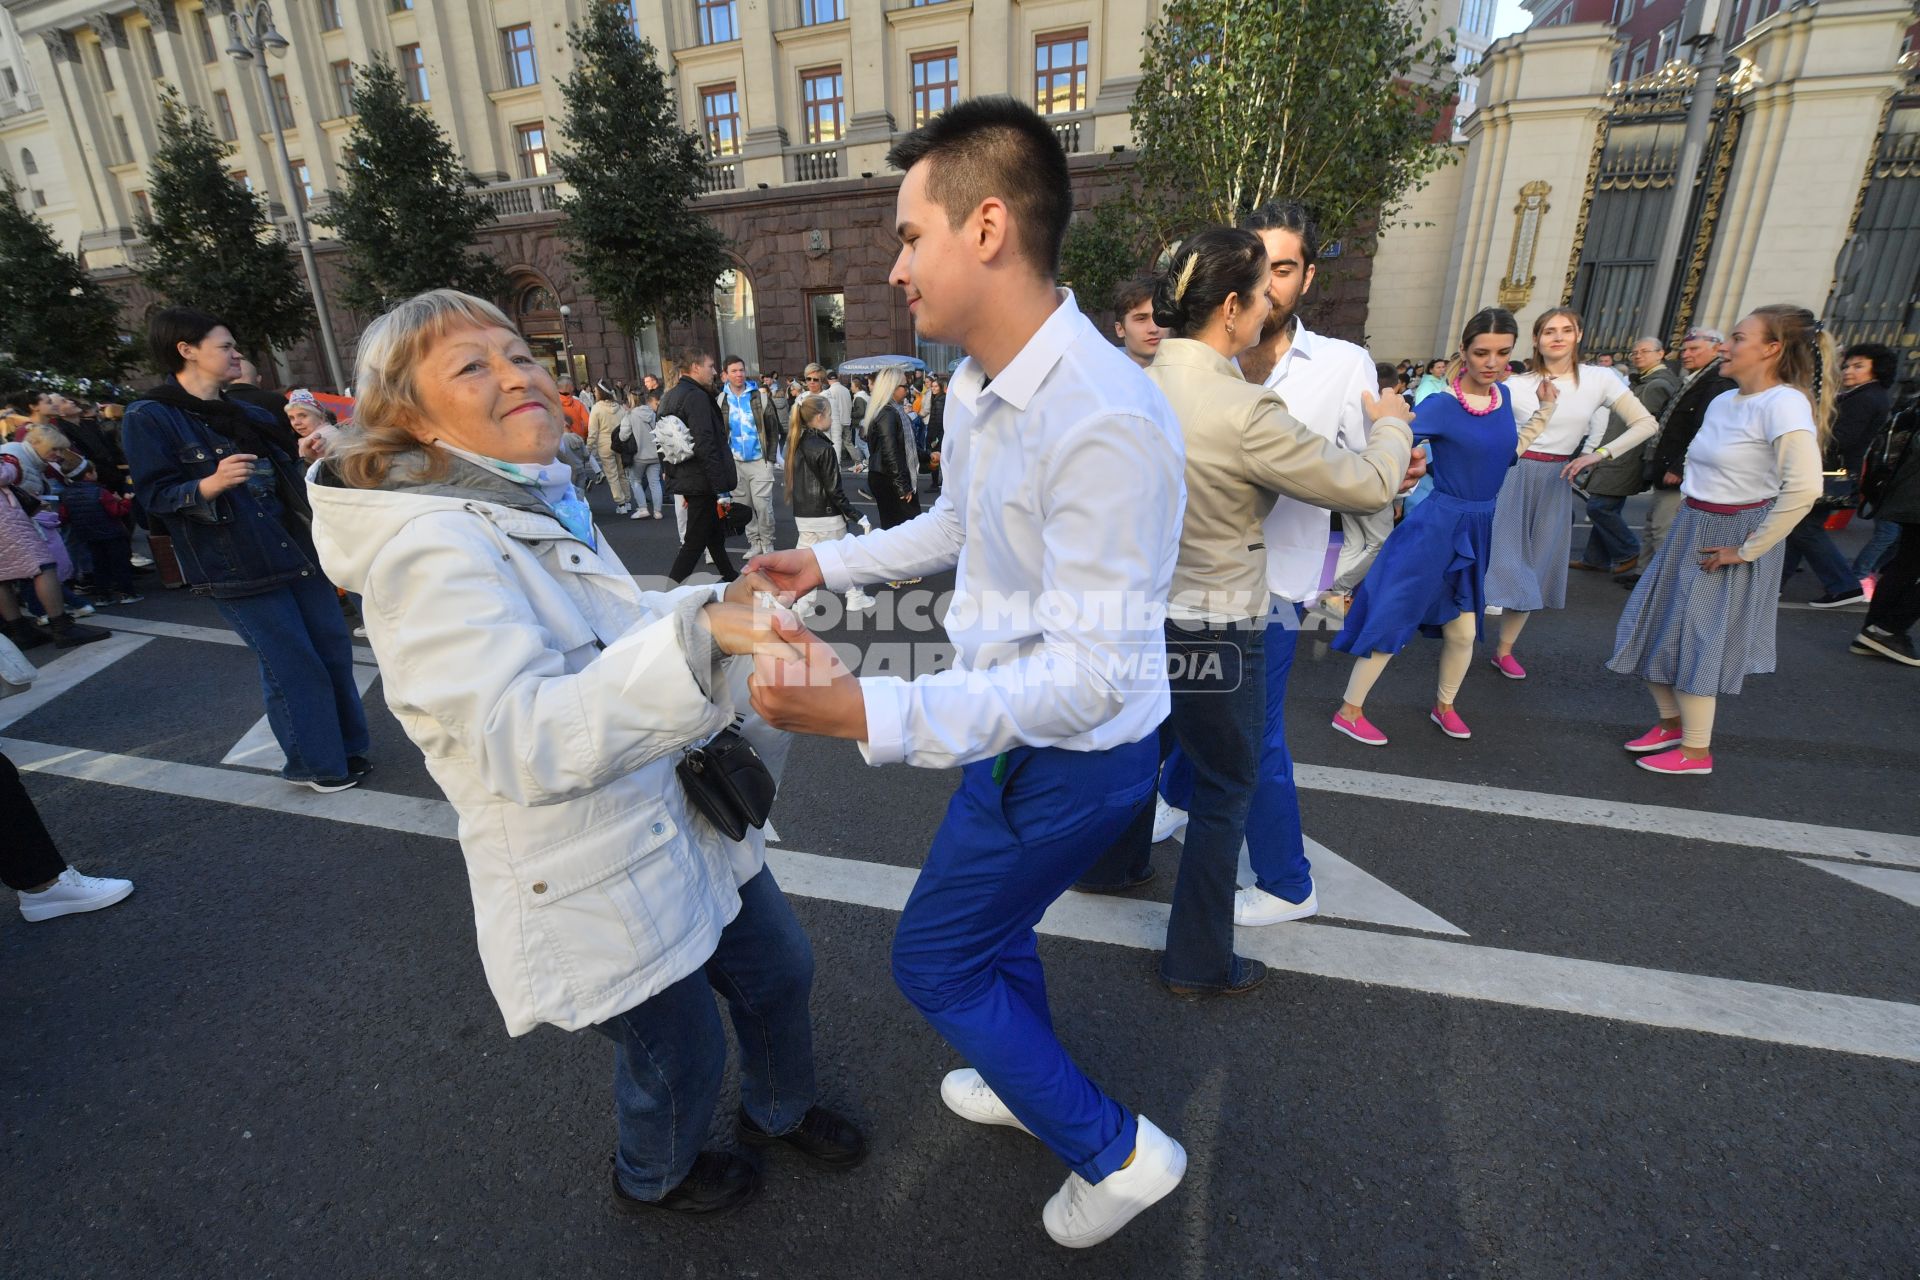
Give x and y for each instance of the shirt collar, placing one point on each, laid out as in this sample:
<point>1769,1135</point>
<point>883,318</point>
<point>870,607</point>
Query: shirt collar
<point>1021,379</point>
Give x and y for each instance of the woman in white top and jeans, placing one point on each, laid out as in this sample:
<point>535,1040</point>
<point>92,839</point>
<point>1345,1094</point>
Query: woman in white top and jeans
<point>1701,618</point>
<point>1533,518</point>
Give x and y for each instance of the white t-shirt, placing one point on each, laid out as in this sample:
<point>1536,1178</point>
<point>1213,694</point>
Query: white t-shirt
<point>1731,460</point>
<point>1578,421</point>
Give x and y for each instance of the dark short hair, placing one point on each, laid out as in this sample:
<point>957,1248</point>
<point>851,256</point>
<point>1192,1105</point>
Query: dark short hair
<point>1132,294</point>
<point>25,400</point>
<point>1384,373</point>
<point>171,326</point>
<point>687,357</point>
<point>1287,215</point>
<point>731,361</point>
<point>991,147</point>
<point>1209,265</point>
<point>1497,320</point>
<point>1886,364</point>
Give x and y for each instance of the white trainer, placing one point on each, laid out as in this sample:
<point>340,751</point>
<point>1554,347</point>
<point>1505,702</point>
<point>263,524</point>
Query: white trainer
<point>1166,820</point>
<point>971,1098</point>
<point>71,894</point>
<point>858,600</point>
<point>1082,1214</point>
<point>1255,906</point>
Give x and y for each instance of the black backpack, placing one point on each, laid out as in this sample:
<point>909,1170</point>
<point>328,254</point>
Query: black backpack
<point>625,446</point>
<point>1885,456</point>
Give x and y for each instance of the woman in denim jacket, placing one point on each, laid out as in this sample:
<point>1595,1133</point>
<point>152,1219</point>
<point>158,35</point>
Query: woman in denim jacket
<point>237,509</point>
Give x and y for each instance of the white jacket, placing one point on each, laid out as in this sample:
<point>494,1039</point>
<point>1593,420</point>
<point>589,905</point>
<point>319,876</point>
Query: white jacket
<point>551,696</point>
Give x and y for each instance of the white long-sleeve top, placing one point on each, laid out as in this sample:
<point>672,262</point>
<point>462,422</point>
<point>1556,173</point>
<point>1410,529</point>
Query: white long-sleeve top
<point>1578,420</point>
<point>1755,448</point>
<point>1061,514</point>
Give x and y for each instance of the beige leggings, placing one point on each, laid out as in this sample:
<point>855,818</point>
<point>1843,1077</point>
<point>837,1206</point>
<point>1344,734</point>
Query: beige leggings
<point>1456,655</point>
<point>1510,624</point>
<point>1692,710</point>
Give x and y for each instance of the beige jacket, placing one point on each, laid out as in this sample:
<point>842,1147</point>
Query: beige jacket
<point>1243,448</point>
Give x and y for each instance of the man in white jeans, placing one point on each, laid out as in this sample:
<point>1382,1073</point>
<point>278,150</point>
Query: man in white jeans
<point>752,430</point>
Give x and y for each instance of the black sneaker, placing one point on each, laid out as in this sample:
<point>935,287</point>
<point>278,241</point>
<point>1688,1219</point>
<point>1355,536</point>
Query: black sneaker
<point>326,786</point>
<point>24,634</point>
<point>68,634</point>
<point>359,766</point>
<point>1627,580</point>
<point>1839,599</point>
<point>822,1135</point>
<point>1252,974</point>
<point>1886,644</point>
<point>719,1182</point>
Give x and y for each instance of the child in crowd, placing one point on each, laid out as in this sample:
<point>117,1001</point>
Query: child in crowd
<point>96,517</point>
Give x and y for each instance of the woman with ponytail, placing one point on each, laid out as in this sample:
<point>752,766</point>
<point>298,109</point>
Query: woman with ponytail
<point>1533,524</point>
<point>820,506</point>
<point>1701,619</point>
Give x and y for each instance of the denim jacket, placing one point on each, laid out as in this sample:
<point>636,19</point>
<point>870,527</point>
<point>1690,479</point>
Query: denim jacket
<point>236,544</point>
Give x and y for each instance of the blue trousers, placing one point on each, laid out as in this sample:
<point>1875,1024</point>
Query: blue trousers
<point>1879,549</point>
<point>1275,846</point>
<point>300,638</point>
<point>965,953</point>
<point>1612,539</point>
<point>1809,540</point>
<point>670,1054</point>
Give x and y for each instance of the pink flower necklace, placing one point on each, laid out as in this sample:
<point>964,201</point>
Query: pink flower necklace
<point>1493,399</point>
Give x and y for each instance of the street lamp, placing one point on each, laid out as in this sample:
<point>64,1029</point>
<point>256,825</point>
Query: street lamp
<point>566,347</point>
<point>253,35</point>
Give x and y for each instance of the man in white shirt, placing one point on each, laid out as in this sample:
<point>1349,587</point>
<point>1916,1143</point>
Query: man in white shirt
<point>1062,508</point>
<point>840,405</point>
<point>1139,336</point>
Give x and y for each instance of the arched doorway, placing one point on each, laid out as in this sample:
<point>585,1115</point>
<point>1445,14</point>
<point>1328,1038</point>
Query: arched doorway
<point>734,317</point>
<point>537,311</point>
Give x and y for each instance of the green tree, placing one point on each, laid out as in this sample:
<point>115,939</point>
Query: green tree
<point>53,314</point>
<point>212,245</point>
<point>1106,246</point>
<point>636,238</point>
<point>409,213</point>
<point>1334,104</point>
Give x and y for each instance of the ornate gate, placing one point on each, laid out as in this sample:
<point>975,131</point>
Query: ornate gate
<point>1630,188</point>
<point>1878,275</point>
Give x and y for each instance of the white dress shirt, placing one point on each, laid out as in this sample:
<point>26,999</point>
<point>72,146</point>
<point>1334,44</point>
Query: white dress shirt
<point>1321,381</point>
<point>1061,513</point>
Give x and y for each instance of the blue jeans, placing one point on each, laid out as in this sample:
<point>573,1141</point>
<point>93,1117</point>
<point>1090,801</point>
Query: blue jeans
<point>1809,540</point>
<point>306,673</point>
<point>645,478</point>
<point>670,1053</point>
<point>1612,540</point>
<point>965,953</point>
<point>1276,847</point>
<point>1879,549</point>
<point>1217,721</point>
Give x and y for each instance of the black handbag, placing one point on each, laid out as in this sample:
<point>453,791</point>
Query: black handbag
<point>728,783</point>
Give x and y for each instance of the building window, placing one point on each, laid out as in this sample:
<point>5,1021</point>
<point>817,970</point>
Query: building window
<point>821,104</point>
<point>633,16</point>
<point>413,70</point>
<point>399,6</point>
<point>101,68</point>
<point>815,12</point>
<point>1669,44</point>
<point>1639,63</point>
<point>1613,67</point>
<point>152,49</point>
<point>530,141</point>
<point>305,181</point>
<point>516,46</point>
<point>240,176</point>
<point>921,4</point>
<point>282,103</point>
<point>343,86</point>
<point>936,83</point>
<point>39,198</point>
<point>718,22</point>
<point>330,15</point>
<point>734,319</point>
<point>827,331</point>
<point>209,51</point>
<point>12,81</point>
<point>28,164</point>
<point>1060,73</point>
<point>223,115</point>
<point>142,206</point>
<point>720,108</point>
<point>123,145</point>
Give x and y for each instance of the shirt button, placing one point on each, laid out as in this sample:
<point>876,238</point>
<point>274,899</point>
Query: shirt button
<point>658,827</point>
<point>539,886</point>
<point>283,544</point>
<point>575,559</point>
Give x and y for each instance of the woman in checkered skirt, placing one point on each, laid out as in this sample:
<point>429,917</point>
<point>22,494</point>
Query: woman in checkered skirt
<point>1702,617</point>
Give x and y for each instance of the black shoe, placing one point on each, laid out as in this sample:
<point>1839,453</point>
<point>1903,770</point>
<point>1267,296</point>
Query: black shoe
<point>68,634</point>
<point>1839,599</point>
<point>1115,888</point>
<point>1886,644</point>
<point>326,786</point>
<point>25,635</point>
<point>358,766</point>
<point>1252,974</point>
<point>1627,580</point>
<point>822,1135</point>
<point>719,1182</point>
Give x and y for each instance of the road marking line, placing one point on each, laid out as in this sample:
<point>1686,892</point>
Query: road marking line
<point>1685,824</point>
<point>64,672</point>
<point>1649,997</point>
<point>259,749</point>
<point>1904,885</point>
<point>1346,892</point>
<point>207,635</point>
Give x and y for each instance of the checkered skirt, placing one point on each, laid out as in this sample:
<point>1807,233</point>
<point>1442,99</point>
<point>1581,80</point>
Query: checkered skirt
<point>1532,538</point>
<point>1703,633</point>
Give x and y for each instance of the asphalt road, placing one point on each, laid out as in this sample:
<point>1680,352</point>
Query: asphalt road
<point>1587,1022</point>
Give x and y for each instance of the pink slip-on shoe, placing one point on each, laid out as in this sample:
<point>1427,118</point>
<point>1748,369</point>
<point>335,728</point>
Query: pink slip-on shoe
<point>1450,723</point>
<point>1360,729</point>
<point>1658,738</point>
<point>1509,666</point>
<point>1675,762</point>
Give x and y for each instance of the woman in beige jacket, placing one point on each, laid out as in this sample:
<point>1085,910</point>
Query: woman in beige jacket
<point>1242,448</point>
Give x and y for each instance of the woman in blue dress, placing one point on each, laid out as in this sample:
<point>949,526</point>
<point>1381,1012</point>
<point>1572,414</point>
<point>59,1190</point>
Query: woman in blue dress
<point>1431,573</point>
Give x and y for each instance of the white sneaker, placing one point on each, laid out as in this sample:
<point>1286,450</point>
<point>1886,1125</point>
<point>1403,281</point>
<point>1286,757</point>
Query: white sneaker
<point>1166,820</point>
<point>858,600</point>
<point>140,562</point>
<point>971,1098</point>
<point>1082,1213</point>
<point>360,632</point>
<point>659,515</point>
<point>73,893</point>
<point>1255,906</point>
<point>638,513</point>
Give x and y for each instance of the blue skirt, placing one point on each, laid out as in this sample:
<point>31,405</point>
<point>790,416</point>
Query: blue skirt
<point>1703,633</point>
<point>1532,538</point>
<point>1431,570</point>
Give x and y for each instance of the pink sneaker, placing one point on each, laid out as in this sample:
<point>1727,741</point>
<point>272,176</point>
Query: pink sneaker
<point>1509,666</point>
<point>1658,738</point>
<point>1360,729</point>
<point>1675,762</point>
<point>1450,723</point>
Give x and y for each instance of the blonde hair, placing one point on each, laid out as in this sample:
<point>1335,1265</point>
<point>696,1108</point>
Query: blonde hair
<point>880,393</point>
<point>388,396</point>
<point>807,408</point>
<point>1807,360</point>
<point>52,437</point>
